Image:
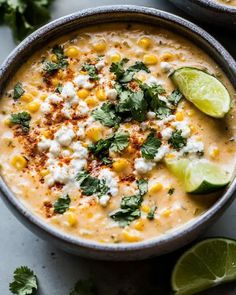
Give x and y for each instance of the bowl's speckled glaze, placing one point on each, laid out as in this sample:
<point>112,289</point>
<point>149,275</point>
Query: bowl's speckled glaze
<point>209,11</point>
<point>162,244</point>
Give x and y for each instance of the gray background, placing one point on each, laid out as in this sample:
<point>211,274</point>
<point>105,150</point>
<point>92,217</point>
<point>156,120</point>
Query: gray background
<point>58,271</point>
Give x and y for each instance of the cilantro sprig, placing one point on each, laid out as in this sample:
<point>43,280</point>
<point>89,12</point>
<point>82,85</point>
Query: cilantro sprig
<point>18,91</point>
<point>150,146</point>
<point>22,120</point>
<point>25,282</point>
<point>61,63</point>
<point>62,204</point>
<point>177,141</point>
<point>107,115</point>
<point>92,71</point>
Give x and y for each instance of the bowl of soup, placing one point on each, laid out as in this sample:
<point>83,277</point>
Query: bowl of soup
<point>117,132</point>
<point>214,12</point>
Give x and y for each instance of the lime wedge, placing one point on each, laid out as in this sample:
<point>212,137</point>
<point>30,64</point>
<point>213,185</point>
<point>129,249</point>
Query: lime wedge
<point>199,176</point>
<point>207,264</point>
<point>202,176</point>
<point>205,91</point>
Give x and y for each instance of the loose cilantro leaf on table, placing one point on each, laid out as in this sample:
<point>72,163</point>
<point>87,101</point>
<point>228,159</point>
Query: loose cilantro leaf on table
<point>177,141</point>
<point>91,185</point>
<point>151,213</point>
<point>175,97</point>
<point>24,16</point>
<point>22,119</point>
<point>130,206</point>
<point>18,91</point>
<point>92,71</point>
<point>25,282</point>
<point>126,75</point>
<point>62,62</point>
<point>106,114</point>
<point>84,287</point>
<point>62,204</point>
<point>150,146</point>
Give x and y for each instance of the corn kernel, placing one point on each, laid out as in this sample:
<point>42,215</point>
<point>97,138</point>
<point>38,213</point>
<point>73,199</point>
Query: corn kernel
<point>94,133</point>
<point>72,51</point>
<point>100,46</point>
<point>145,208</point>
<point>130,236</point>
<point>120,165</point>
<point>130,149</point>
<point>150,59</point>
<point>156,188</point>
<point>190,113</point>
<point>19,162</point>
<point>43,96</point>
<point>83,93</point>
<point>145,42</point>
<point>27,97</point>
<point>60,74</point>
<point>8,122</point>
<point>91,101</point>
<point>170,156</point>
<point>179,116</point>
<point>139,225</point>
<point>33,106</point>
<point>54,81</point>
<point>46,133</point>
<point>192,128</point>
<point>53,58</point>
<point>101,94</point>
<point>115,57</point>
<point>71,218</point>
<point>34,92</point>
<point>44,172</point>
<point>167,57</point>
<point>166,213</point>
<point>214,152</point>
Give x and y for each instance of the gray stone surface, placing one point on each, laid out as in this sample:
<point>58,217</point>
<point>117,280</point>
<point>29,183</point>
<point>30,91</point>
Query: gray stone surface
<point>58,271</point>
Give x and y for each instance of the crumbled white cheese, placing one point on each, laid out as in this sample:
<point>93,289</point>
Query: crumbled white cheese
<point>111,93</point>
<point>151,115</point>
<point>100,65</point>
<point>103,200</point>
<point>68,90</point>
<point>67,111</point>
<point>165,67</point>
<point>162,151</point>
<point>81,131</point>
<point>110,180</point>
<point>153,80</point>
<point>83,108</point>
<point>166,120</point>
<point>193,146</point>
<point>66,153</point>
<point>166,133</point>
<point>55,148</point>
<point>143,166</point>
<point>46,108</point>
<point>53,98</point>
<point>183,126</point>
<point>44,144</point>
<point>75,166</point>
<point>79,151</point>
<point>83,81</point>
<point>57,174</point>
<point>65,135</point>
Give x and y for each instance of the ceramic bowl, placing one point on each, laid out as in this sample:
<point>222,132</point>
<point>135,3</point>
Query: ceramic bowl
<point>156,246</point>
<point>209,11</point>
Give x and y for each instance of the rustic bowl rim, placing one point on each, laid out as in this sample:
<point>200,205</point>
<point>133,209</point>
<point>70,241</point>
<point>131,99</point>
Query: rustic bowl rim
<point>164,239</point>
<point>215,6</point>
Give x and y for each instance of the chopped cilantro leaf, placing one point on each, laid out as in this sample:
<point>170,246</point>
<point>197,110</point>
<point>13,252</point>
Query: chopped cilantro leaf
<point>84,287</point>
<point>22,119</point>
<point>175,97</point>
<point>177,141</point>
<point>62,204</point>
<point>163,112</point>
<point>120,141</point>
<point>142,186</point>
<point>62,62</point>
<point>102,188</point>
<point>25,281</point>
<point>150,146</point>
<point>151,213</point>
<point>59,88</point>
<point>171,191</point>
<point>118,68</point>
<point>18,91</point>
<point>92,71</point>
<point>131,202</point>
<point>106,115</point>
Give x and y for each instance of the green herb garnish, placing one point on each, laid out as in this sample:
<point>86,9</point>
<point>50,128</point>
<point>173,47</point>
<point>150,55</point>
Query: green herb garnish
<point>171,191</point>
<point>62,204</point>
<point>175,97</point>
<point>18,91</point>
<point>177,141</point>
<point>92,71</point>
<point>84,287</point>
<point>142,186</point>
<point>25,282</point>
<point>106,114</point>
<point>24,16</point>
<point>151,213</point>
<point>150,146</point>
<point>62,62</point>
<point>21,119</point>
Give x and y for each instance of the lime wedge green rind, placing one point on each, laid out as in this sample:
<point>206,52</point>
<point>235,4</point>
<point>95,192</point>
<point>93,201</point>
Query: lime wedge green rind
<point>177,167</point>
<point>207,264</point>
<point>205,91</point>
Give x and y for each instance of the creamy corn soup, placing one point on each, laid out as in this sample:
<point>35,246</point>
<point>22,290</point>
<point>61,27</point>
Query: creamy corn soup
<point>88,123</point>
<point>227,2</point>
